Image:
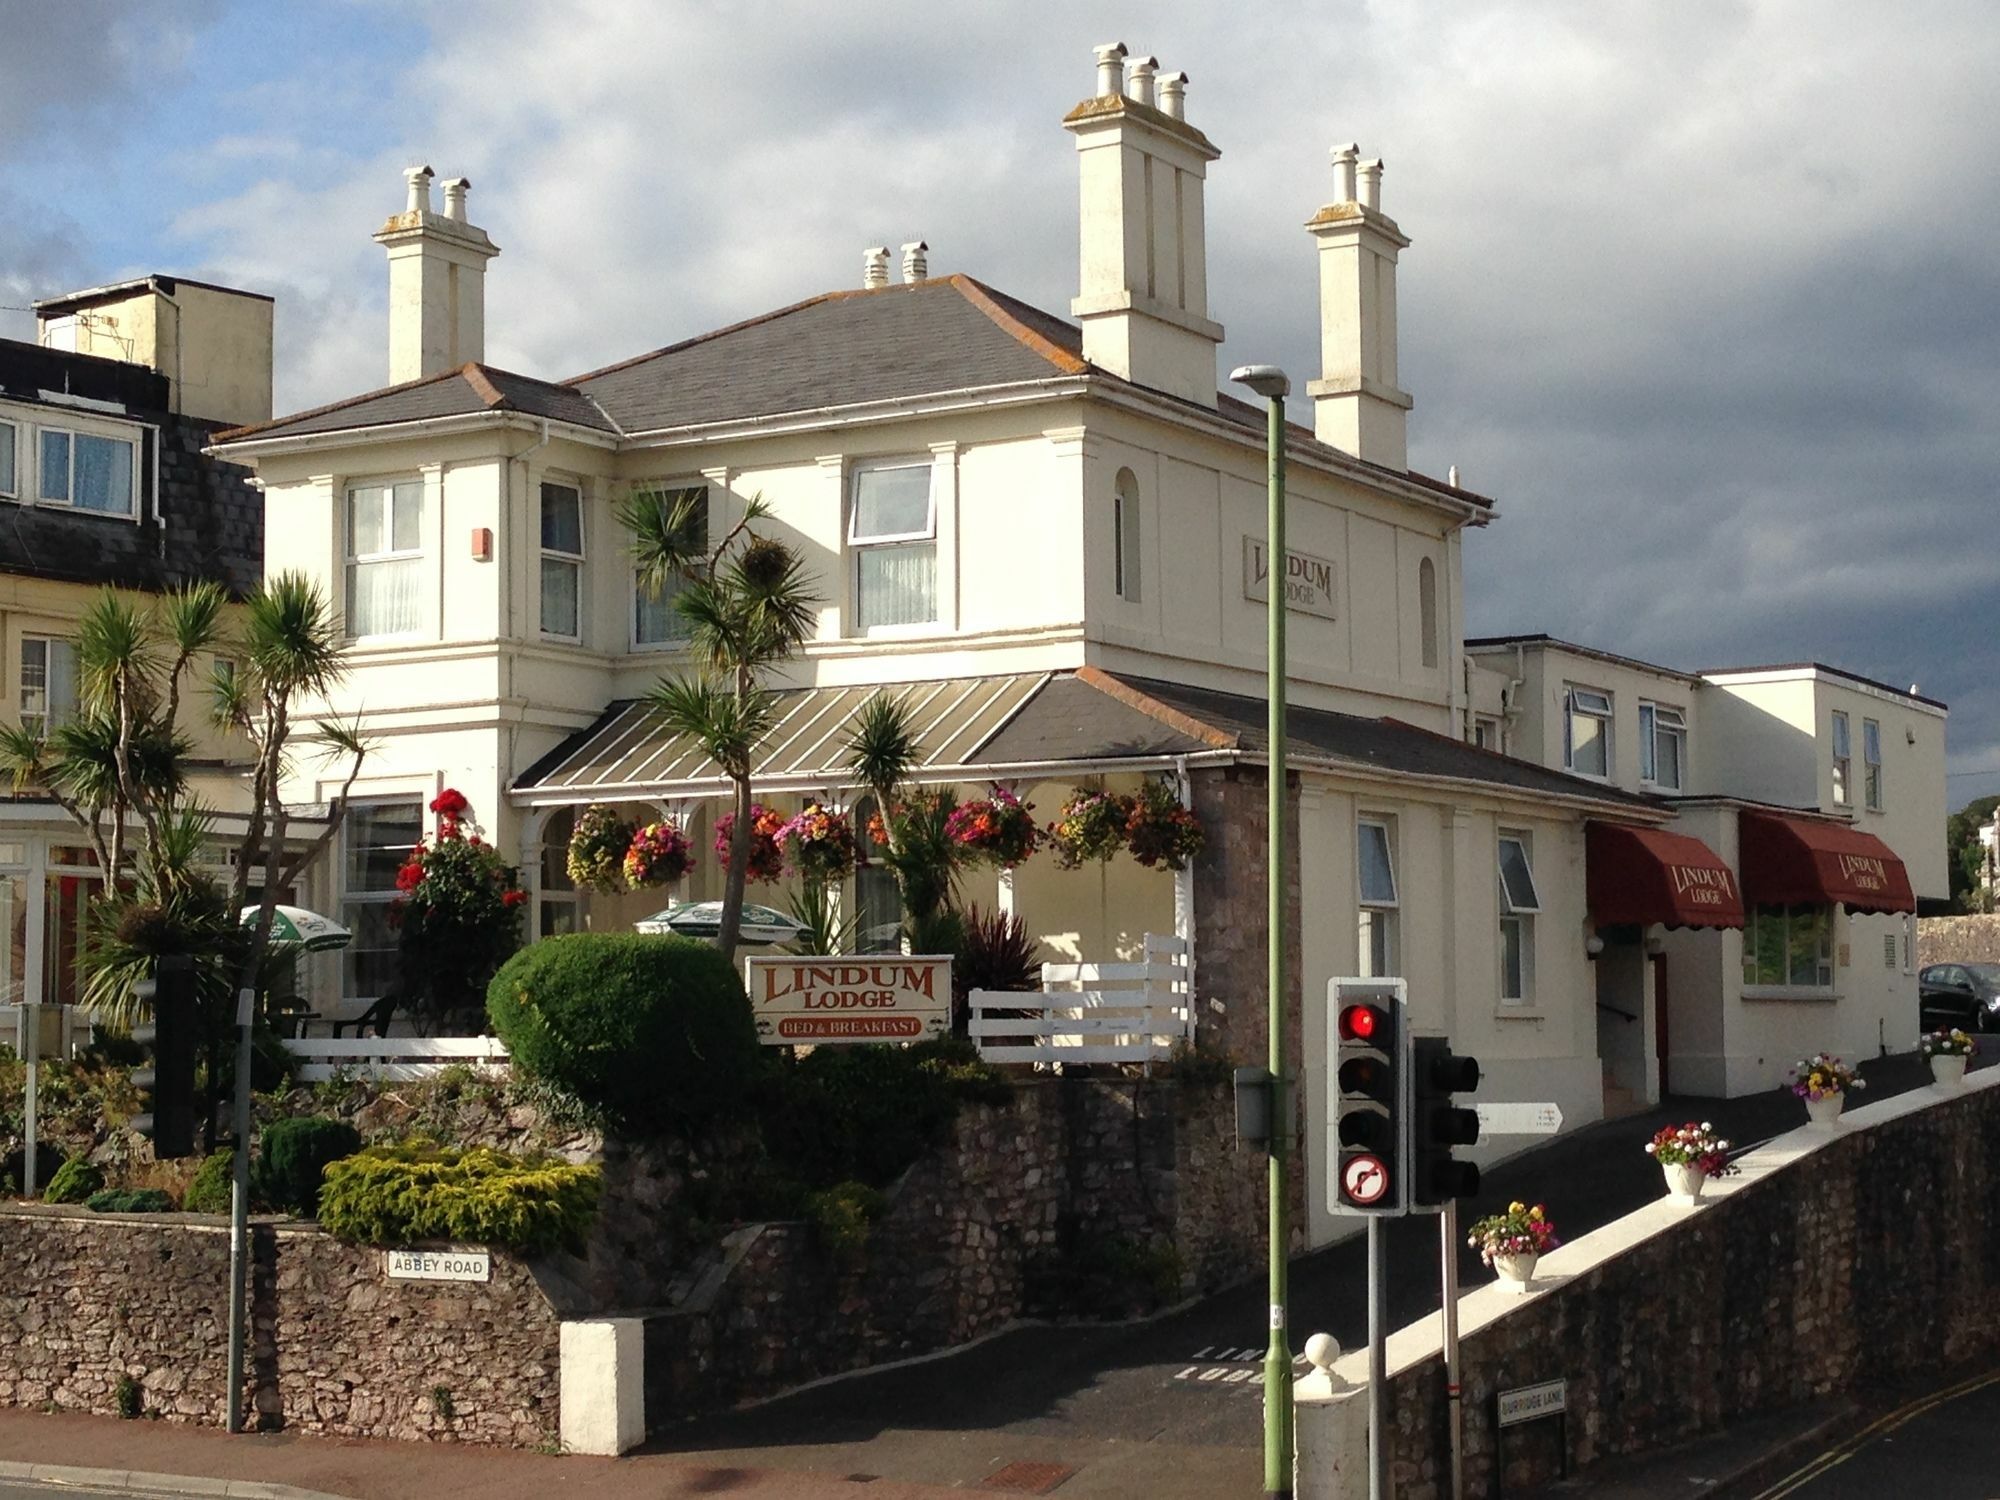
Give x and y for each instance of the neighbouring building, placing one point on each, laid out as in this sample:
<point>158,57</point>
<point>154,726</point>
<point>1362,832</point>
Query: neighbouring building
<point>1045,535</point>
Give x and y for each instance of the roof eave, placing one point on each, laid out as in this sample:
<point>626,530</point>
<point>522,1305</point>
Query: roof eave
<point>390,432</point>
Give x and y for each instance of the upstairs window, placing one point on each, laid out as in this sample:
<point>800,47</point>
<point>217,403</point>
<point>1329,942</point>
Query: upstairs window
<point>1843,762</point>
<point>10,485</point>
<point>384,558</point>
<point>1486,734</point>
<point>1587,732</point>
<point>1377,883</point>
<point>1662,745</point>
<point>49,681</point>
<point>1125,536</point>
<point>892,529</point>
<point>1871,763</point>
<point>1519,904</point>
<point>87,471</point>
<point>562,561</point>
<point>656,623</point>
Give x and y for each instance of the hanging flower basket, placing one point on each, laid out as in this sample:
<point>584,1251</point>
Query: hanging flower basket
<point>767,860</point>
<point>818,844</point>
<point>1159,831</point>
<point>1000,828</point>
<point>659,854</point>
<point>1090,827</point>
<point>597,849</point>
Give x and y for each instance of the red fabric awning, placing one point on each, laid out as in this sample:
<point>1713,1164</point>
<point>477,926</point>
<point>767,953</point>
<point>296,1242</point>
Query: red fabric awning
<point>1649,875</point>
<point>1805,860</point>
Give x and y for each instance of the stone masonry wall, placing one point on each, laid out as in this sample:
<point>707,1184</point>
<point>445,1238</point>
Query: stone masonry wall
<point>1871,1258</point>
<point>1102,1195</point>
<point>1958,940</point>
<point>87,1300</point>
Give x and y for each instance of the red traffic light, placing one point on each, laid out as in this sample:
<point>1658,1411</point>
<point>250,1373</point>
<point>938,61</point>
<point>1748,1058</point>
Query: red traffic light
<point>1363,1023</point>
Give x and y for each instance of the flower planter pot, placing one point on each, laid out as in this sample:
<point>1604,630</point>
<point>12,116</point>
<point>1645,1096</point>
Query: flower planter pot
<point>1825,1110</point>
<point>1684,1181</point>
<point>1948,1072</point>
<point>1516,1272</point>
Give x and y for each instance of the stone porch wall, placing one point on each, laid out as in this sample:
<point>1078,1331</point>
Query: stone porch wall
<point>87,1300</point>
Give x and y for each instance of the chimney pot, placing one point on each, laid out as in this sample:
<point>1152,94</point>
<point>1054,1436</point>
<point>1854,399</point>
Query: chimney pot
<point>1371,184</point>
<point>454,198</point>
<point>1344,160</point>
<point>1139,79</point>
<point>1110,70</point>
<point>1173,95</point>
<point>1451,476</point>
<point>915,267</point>
<point>875,266</point>
<point>419,181</point>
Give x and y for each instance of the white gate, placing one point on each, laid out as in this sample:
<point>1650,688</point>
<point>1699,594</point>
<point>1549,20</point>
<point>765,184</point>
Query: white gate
<point>1087,1013</point>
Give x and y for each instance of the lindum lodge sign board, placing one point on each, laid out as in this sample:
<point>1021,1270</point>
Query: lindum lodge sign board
<point>863,997</point>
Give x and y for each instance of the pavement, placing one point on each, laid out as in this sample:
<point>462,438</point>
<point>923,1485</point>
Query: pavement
<point>1170,1408</point>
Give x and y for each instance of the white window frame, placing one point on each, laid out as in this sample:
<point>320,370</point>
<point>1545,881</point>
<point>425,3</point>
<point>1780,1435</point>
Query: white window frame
<point>857,544</point>
<point>351,561</point>
<point>1517,916</point>
<point>1379,923</point>
<point>47,715</point>
<point>573,561</point>
<point>1843,760</point>
<point>1821,986</point>
<point>10,484</point>
<point>1656,719</point>
<point>349,895</point>
<point>1575,706</point>
<point>1871,764</point>
<point>1126,573</point>
<point>1489,733</point>
<point>130,437</point>
<point>678,639</point>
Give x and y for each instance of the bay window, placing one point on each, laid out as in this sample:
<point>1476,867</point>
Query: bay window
<point>1377,885</point>
<point>1587,731</point>
<point>87,471</point>
<point>656,622</point>
<point>1788,946</point>
<point>385,558</point>
<point>892,531</point>
<point>562,561</point>
<point>1519,903</point>
<point>1662,745</point>
<point>49,683</point>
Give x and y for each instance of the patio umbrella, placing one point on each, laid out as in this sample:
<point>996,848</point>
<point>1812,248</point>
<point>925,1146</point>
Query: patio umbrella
<point>308,929</point>
<point>703,919</point>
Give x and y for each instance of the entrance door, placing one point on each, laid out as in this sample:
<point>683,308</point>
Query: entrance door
<point>1660,1017</point>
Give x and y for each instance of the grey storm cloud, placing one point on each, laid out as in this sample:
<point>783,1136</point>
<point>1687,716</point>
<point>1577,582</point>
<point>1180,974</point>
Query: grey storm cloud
<point>1703,293</point>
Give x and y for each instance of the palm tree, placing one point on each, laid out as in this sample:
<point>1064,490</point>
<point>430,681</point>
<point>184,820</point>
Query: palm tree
<point>748,606</point>
<point>882,751</point>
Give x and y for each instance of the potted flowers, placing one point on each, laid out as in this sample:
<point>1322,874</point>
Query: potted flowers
<point>1948,1051</point>
<point>659,854</point>
<point>1823,1080</point>
<point>1511,1242</point>
<point>819,843</point>
<point>1689,1155</point>
<point>1000,828</point>
<point>767,860</point>
<point>597,848</point>
<point>1091,826</point>
<point>1159,831</point>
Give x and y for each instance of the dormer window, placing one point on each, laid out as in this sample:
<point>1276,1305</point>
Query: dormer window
<point>87,471</point>
<point>892,530</point>
<point>385,558</point>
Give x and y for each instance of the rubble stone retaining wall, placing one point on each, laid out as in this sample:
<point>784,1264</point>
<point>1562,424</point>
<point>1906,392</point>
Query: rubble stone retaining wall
<point>1958,940</point>
<point>88,1301</point>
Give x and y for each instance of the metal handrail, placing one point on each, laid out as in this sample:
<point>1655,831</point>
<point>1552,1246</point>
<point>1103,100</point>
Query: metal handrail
<point>1626,1014</point>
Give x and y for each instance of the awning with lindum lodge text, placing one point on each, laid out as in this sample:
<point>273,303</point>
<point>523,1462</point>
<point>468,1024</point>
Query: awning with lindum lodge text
<point>1647,875</point>
<point>1788,859</point>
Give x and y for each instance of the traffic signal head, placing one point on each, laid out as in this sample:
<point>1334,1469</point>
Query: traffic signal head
<point>165,1078</point>
<point>1368,1089</point>
<point>1437,1125</point>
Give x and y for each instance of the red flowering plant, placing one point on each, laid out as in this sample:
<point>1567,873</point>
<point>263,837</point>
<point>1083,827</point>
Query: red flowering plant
<point>767,859</point>
<point>1000,828</point>
<point>659,854</point>
<point>1159,831</point>
<point>1694,1144</point>
<point>819,844</point>
<point>1091,826</point>
<point>458,915</point>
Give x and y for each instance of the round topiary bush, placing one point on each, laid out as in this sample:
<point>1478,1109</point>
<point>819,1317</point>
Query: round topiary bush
<point>292,1156</point>
<point>654,1031</point>
<point>208,1192</point>
<point>75,1180</point>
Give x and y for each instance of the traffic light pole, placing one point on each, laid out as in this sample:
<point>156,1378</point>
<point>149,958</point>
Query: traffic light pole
<point>1378,1360</point>
<point>1278,1357</point>
<point>239,1212</point>
<point>1454,1404</point>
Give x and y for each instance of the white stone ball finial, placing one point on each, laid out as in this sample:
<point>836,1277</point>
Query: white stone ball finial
<point>1322,1351</point>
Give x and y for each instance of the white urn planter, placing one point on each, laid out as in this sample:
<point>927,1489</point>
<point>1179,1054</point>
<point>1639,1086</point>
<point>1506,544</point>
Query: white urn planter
<point>1825,1110</point>
<point>1516,1272</point>
<point>1948,1071</point>
<point>1684,1181</point>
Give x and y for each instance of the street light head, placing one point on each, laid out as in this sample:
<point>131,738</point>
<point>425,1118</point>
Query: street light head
<point>1266,380</point>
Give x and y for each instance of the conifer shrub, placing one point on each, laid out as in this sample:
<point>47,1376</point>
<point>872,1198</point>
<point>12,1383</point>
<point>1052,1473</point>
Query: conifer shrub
<point>418,1191</point>
<point>74,1182</point>
<point>293,1156</point>
<point>130,1201</point>
<point>654,1031</point>
<point>208,1193</point>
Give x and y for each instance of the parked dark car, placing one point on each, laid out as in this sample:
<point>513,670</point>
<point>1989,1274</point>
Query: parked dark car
<point>1966,995</point>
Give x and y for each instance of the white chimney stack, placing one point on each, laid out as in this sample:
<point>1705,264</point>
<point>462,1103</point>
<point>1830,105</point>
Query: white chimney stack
<point>915,267</point>
<point>875,267</point>
<point>437,281</point>
<point>1143,285</point>
<point>1357,404</point>
<point>1173,95</point>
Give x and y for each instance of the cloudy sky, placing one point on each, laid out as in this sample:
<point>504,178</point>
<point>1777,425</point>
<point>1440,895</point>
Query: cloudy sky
<point>1705,293</point>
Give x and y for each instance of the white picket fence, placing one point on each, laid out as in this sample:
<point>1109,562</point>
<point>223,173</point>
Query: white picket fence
<point>1090,1013</point>
<point>394,1057</point>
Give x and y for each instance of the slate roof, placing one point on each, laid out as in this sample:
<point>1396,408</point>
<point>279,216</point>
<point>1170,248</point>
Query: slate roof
<point>465,391</point>
<point>214,518</point>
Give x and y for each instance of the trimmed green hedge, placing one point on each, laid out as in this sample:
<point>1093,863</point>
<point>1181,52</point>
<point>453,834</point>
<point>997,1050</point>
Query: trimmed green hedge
<point>654,1031</point>
<point>292,1156</point>
<point>74,1182</point>
<point>419,1191</point>
<point>130,1201</point>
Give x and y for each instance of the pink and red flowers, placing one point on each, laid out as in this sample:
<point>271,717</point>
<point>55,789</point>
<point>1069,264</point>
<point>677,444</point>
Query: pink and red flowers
<point>1000,828</point>
<point>659,854</point>
<point>767,860</point>
<point>1692,1145</point>
<point>819,843</point>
